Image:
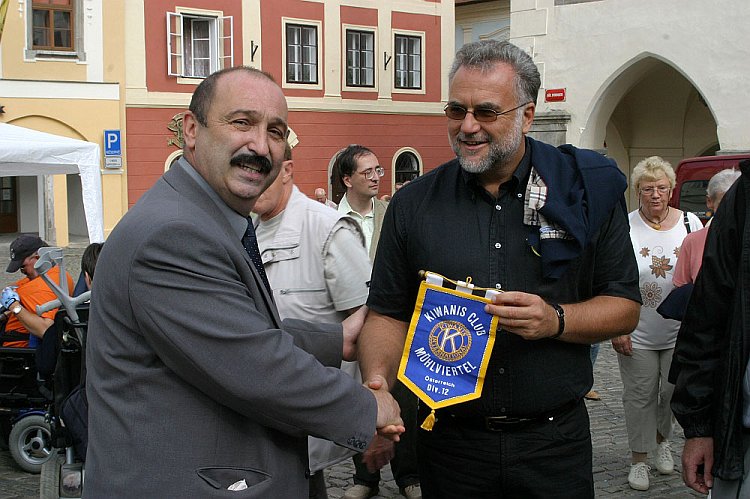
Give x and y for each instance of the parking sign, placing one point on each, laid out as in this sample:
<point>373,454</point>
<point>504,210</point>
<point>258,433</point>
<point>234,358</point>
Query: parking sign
<point>112,143</point>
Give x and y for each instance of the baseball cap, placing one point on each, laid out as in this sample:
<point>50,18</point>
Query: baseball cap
<point>21,248</point>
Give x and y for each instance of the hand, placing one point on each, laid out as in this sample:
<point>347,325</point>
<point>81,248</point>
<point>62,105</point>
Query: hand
<point>379,453</point>
<point>9,297</point>
<point>698,451</point>
<point>623,345</point>
<point>352,326</point>
<point>524,314</point>
<point>389,423</point>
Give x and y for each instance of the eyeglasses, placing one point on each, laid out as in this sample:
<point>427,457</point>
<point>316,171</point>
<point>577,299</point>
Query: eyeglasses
<point>661,189</point>
<point>483,114</point>
<point>371,173</point>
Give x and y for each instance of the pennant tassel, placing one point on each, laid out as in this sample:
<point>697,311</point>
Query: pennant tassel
<point>429,421</point>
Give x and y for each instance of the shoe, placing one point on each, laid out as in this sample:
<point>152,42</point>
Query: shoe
<point>664,461</point>
<point>638,476</point>
<point>413,491</point>
<point>361,492</point>
<point>592,395</point>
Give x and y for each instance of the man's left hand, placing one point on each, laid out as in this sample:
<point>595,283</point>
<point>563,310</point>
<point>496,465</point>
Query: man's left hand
<point>378,454</point>
<point>524,314</point>
<point>9,297</point>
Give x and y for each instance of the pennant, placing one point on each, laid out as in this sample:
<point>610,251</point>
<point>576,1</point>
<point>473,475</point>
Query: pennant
<point>449,343</point>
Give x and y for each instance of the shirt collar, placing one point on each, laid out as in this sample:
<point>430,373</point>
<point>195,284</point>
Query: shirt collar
<point>346,208</point>
<point>236,221</point>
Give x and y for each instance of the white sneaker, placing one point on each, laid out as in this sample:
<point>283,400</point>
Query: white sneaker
<point>361,492</point>
<point>664,461</point>
<point>638,476</point>
<point>412,491</point>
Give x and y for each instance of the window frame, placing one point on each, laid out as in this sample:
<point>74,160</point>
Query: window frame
<point>75,53</point>
<point>346,85</point>
<point>414,35</point>
<point>303,23</point>
<point>221,35</point>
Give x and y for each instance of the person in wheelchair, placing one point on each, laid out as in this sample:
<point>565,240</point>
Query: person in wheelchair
<point>24,327</point>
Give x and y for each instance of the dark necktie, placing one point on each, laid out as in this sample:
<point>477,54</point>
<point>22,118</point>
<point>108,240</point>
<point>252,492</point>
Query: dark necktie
<point>250,242</point>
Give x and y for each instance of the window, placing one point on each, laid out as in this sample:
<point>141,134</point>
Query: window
<point>408,62</point>
<point>407,166</point>
<point>301,53</point>
<point>54,29</point>
<point>198,44</point>
<point>360,58</point>
<point>52,24</point>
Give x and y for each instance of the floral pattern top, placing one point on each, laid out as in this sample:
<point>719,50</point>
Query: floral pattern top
<point>656,252</point>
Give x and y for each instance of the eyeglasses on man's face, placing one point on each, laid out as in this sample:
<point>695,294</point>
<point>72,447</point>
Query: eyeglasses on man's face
<point>482,114</point>
<point>661,189</point>
<point>373,173</point>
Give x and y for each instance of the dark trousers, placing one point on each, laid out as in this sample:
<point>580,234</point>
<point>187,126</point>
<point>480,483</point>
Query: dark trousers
<point>404,463</point>
<point>549,459</point>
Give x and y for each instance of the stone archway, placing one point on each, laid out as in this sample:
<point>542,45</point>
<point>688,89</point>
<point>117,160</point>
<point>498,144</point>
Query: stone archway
<point>650,108</point>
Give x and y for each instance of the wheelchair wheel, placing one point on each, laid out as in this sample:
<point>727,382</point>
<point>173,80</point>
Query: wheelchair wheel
<point>30,443</point>
<point>49,480</point>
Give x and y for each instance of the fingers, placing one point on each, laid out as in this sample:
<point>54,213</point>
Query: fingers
<point>377,382</point>
<point>524,314</point>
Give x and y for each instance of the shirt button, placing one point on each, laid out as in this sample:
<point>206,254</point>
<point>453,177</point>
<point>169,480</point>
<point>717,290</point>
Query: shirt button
<point>498,286</point>
<point>498,207</point>
<point>502,409</point>
<point>501,370</point>
<point>498,245</point>
<point>518,195</point>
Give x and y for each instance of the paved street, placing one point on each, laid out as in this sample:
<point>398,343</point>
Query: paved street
<point>611,455</point>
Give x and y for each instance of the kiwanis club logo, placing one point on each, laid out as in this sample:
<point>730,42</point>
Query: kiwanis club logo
<point>450,341</point>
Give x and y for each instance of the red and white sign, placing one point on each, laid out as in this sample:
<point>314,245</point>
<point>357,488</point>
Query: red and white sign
<point>554,95</point>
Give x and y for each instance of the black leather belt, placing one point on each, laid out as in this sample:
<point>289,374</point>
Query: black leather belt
<point>505,423</point>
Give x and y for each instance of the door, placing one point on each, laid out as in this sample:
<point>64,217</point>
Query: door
<point>8,205</point>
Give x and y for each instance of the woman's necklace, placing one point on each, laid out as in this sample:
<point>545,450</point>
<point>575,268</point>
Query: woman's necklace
<point>655,225</point>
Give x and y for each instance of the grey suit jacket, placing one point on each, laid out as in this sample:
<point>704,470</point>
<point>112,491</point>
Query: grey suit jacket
<point>194,383</point>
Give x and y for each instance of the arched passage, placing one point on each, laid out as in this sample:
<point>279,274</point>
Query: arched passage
<point>650,108</point>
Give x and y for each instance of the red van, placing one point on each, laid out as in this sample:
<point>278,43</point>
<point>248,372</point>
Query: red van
<point>693,175</point>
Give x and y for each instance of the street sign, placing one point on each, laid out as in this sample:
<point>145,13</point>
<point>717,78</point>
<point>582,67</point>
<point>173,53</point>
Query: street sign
<point>554,95</point>
<point>112,143</point>
<point>113,162</point>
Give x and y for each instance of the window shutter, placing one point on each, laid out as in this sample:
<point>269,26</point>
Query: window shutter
<point>175,44</point>
<point>226,42</point>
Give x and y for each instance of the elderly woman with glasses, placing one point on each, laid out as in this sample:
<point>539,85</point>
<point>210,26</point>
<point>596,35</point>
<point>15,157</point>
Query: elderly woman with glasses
<point>644,356</point>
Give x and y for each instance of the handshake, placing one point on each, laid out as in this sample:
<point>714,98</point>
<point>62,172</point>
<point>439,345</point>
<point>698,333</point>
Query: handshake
<point>8,297</point>
<point>389,425</point>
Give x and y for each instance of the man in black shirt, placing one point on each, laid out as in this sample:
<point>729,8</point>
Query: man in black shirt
<point>548,225</point>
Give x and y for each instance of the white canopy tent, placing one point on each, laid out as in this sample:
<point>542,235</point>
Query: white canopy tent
<point>26,152</point>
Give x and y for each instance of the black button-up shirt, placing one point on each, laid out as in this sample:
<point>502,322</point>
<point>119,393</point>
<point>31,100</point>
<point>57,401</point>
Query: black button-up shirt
<point>445,222</point>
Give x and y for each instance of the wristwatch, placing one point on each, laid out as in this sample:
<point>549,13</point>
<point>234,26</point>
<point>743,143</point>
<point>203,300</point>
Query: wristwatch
<point>17,309</point>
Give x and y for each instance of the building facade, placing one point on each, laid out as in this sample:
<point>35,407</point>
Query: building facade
<point>61,69</point>
<point>353,71</point>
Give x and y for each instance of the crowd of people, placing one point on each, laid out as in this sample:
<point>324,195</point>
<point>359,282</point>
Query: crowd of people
<point>267,327</point>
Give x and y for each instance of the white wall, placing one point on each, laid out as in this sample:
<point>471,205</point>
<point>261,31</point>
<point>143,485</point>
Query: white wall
<point>585,48</point>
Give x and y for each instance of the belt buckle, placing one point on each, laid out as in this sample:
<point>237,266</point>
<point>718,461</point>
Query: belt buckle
<point>498,423</point>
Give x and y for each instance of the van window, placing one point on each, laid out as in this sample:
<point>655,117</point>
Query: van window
<point>693,197</point>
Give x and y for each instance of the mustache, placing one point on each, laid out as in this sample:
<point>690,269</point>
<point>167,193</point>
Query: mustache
<point>264,164</point>
<point>479,137</point>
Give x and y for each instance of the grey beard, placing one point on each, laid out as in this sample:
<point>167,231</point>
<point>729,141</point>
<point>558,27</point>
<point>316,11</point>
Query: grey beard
<point>499,154</point>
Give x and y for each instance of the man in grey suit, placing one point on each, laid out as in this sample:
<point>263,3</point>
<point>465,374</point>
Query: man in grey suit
<point>195,385</point>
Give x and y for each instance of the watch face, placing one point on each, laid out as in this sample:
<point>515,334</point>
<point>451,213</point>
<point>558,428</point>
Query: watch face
<point>17,309</point>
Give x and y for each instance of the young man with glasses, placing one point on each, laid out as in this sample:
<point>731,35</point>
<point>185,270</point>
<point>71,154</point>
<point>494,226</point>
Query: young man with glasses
<point>547,226</point>
<point>360,173</point>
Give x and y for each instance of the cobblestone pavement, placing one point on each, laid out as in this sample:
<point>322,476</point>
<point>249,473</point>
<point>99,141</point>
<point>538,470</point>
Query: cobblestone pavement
<point>611,454</point>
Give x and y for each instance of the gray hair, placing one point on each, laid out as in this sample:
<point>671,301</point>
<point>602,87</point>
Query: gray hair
<point>484,54</point>
<point>721,182</point>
